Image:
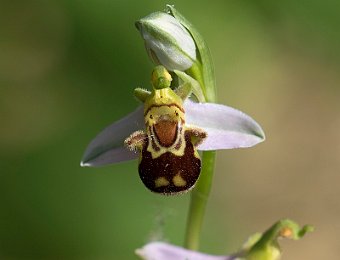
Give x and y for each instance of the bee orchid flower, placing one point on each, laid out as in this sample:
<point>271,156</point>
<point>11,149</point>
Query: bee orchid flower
<point>167,134</point>
<point>226,128</point>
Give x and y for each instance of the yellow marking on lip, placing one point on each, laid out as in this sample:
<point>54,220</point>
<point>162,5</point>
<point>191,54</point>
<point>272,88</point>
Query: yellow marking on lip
<point>178,180</point>
<point>161,181</point>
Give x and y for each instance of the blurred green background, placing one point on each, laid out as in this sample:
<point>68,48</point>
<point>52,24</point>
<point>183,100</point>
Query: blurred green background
<point>68,69</point>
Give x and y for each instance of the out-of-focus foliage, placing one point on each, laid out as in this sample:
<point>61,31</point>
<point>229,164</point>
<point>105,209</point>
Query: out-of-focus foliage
<point>68,68</point>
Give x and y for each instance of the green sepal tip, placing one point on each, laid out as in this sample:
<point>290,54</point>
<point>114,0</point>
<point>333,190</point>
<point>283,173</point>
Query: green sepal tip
<point>266,247</point>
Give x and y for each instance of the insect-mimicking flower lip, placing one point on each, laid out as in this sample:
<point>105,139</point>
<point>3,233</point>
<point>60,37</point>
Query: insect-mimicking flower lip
<point>226,128</point>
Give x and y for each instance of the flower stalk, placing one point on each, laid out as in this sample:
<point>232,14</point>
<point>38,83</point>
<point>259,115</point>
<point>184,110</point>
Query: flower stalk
<point>198,202</point>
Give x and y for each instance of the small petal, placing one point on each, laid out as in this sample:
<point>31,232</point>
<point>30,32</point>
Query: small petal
<point>108,146</point>
<point>164,251</point>
<point>167,41</point>
<point>227,127</point>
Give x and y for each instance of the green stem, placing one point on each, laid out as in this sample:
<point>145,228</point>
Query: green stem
<point>199,199</point>
<point>200,194</point>
<point>202,71</point>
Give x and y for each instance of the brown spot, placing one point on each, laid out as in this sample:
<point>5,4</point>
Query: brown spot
<point>154,145</point>
<point>166,132</point>
<point>179,143</point>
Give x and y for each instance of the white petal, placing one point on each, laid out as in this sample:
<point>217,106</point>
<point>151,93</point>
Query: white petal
<point>108,146</point>
<point>164,251</point>
<point>169,25</point>
<point>227,127</point>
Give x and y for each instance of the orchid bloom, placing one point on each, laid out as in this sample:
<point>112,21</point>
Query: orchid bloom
<point>174,129</point>
<point>226,128</point>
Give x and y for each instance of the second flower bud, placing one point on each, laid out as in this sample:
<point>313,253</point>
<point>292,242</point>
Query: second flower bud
<point>167,42</point>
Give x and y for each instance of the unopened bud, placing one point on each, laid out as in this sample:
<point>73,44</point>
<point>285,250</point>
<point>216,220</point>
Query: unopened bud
<point>167,42</point>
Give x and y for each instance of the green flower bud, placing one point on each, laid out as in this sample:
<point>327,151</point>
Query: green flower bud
<point>167,42</point>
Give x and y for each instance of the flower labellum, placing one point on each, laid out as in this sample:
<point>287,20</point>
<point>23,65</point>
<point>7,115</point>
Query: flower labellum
<point>167,41</point>
<point>169,162</point>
